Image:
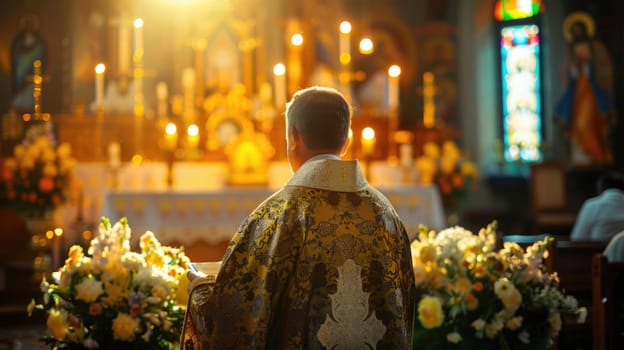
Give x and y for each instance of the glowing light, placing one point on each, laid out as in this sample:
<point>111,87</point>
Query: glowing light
<point>192,130</point>
<point>368,133</point>
<point>100,68</point>
<point>49,234</point>
<point>138,23</point>
<point>366,46</point>
<point>297,39</point>
<point>171,129</point>
<point>137,159</point>
<point>394,71</point>
<point>279,69</point>
<point>58,231</point>
<point>345,27</point>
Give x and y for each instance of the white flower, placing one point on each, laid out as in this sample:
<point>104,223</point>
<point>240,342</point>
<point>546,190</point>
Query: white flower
<point>582,315</point>
<point>133,261</point>
<point>478,324</point>
<point>89,290</point>
<point>524,337</point>
<point>508,294</point>
<point>90,343</point>
<point>492,328</point>
<point>453,337</point>
<point>554,318</point>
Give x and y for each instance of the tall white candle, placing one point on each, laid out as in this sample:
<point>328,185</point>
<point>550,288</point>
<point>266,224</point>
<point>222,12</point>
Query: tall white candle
<point>393,89</point>
<point>344,43</point>
<point>100,68</point>
<point>279,72</point>
<point>138,40</point>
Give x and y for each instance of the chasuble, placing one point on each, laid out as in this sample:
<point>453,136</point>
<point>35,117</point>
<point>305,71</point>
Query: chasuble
<point>323,263</point>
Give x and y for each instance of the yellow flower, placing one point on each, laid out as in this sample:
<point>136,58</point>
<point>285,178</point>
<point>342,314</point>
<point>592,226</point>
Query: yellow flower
<point>89,290</point>
<point>56,324</point>
<point>514,323</point>
<point>430,312</point>
<point>427,252</point>
<point>431,150</point>
<point>74,255</point>
<point>125,326</point>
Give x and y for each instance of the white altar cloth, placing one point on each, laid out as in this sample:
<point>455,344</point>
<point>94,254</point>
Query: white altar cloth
<point>214,216</point>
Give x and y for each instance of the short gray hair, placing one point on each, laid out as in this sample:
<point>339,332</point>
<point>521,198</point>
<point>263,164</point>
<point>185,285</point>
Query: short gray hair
<point>321,116</point>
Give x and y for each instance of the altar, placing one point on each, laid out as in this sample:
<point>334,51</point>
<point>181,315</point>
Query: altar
<point>212,217</point>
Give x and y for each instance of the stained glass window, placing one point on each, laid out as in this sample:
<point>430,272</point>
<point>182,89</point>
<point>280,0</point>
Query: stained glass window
<point>522,110</point>
<point>508,10</point>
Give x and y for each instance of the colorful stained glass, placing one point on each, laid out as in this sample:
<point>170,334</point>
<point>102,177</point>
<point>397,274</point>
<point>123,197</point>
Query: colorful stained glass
<point>509,10</point>
<point>522,110</point>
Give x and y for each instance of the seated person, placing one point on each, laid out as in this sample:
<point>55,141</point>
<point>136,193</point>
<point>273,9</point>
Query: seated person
<point>615,250</point>
<point>602,217</point>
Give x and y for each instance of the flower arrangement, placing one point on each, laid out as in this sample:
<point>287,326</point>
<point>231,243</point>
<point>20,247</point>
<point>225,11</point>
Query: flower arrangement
<point>113,298</point>
<point>446,168</point>
<point>37,178</point>
<point>471,296</point>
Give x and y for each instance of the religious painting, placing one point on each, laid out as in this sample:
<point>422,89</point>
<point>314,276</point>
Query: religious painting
<point>27,47</point>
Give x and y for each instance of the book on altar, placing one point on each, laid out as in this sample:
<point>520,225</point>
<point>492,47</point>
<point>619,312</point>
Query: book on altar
<point>209,268</point>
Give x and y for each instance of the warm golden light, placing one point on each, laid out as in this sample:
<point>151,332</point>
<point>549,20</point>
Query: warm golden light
<point>100,68</point>
<point>366,46</point>
<point>171,129</point>
<point>296,39</point>
<point>350,133</point>
<point>279,69</point>
<point>138,23</point>
<point>394,71</point>
<point>58,232</point>
<point>345,58</point>
<point>137,159</point>
<point>368,133</point>
<point>345,27</point>
<point>49,234</point>
<point>192,130</point>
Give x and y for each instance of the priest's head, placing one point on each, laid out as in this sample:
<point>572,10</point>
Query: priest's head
<point>317,122</point>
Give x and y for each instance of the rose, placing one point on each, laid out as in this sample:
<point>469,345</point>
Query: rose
<point>430,312</point>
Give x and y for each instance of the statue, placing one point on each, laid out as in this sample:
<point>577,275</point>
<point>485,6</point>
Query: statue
<point>585,106</point>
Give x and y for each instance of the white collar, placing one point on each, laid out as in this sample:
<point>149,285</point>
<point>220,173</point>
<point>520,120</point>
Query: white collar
<point>328,173</point>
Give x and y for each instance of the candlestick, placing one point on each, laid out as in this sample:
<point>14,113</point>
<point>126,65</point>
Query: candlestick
<point>161,96</point>
<point>100,68</point>
<point>279,72</point>
<point>428,100</point>
<point>114,154</point>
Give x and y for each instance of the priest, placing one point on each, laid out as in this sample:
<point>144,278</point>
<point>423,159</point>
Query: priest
<point>323,263</point>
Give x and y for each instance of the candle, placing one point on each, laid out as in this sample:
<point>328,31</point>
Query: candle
<point>57,248</point>
<point>192,136</point>
<point>100,68</point>
<point>124,47</point>
<point>393,89</point>
<point>344,43</point>
<point>428,100</point>
<point>138,40</point>
<point>171,137</point>
<point>161,96</point>
<point>279,72</point>
<point>368,141</point>
<point>114,154</point>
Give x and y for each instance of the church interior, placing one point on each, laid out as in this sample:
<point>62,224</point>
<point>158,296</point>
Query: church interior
<point>170,113</point>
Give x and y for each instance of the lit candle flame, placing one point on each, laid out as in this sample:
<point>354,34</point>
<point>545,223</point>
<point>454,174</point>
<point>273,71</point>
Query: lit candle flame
<point>297,39</point>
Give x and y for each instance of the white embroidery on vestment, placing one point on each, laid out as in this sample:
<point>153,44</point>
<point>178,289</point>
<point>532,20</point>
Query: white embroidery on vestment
<point>350,325</point>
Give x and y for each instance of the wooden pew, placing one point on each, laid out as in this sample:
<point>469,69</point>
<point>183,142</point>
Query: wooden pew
<point>608,304</point>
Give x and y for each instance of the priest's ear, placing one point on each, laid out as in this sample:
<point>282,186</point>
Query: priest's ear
<point>347,145</point>
<point>293,139</point>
